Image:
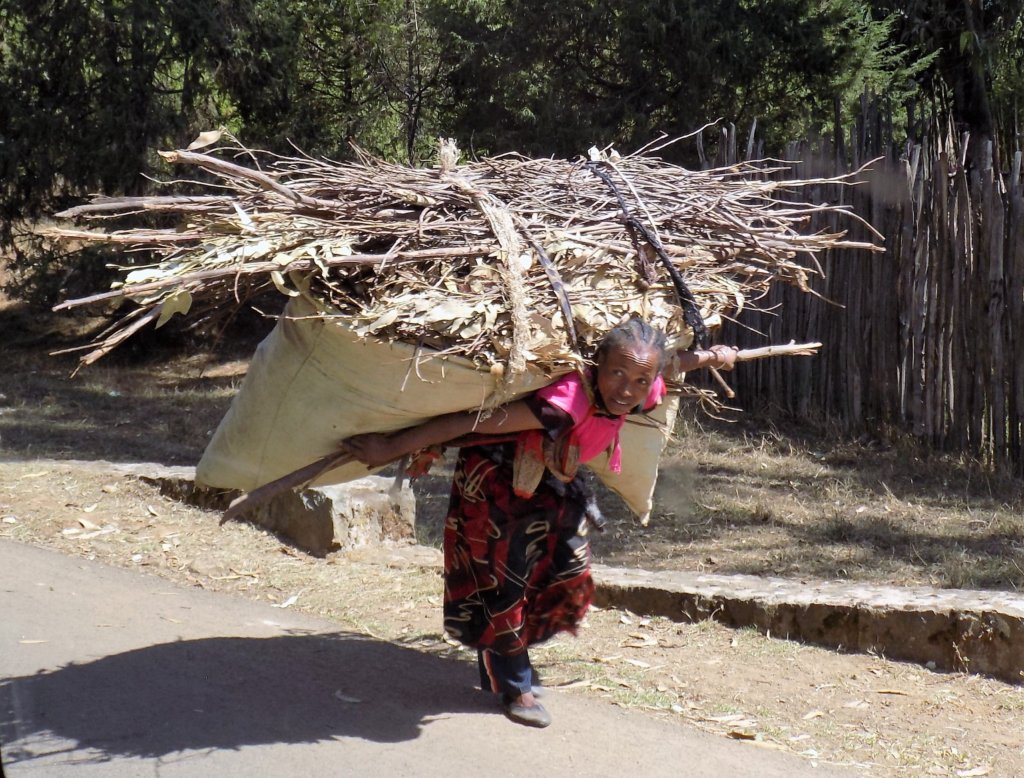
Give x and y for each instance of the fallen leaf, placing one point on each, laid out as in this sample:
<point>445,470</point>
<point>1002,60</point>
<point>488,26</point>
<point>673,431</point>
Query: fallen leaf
<point>89,509</point>
<point>640,641</point>
<point>345,698</point>
<point>814,714</point>
<point>94,533</point>
<point>287,603</point>
<point>86,524</point>
<point>770,744</point>
<point>974,771</point>
<point>205,139</point>
<point>637,663</point>
<point>739,735</point>
<point>180,301</point>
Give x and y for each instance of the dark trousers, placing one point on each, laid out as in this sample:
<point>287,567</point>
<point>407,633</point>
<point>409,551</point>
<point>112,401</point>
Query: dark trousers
<point>506,675</point>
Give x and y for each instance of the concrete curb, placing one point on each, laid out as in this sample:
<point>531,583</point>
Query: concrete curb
<point>945,629</point>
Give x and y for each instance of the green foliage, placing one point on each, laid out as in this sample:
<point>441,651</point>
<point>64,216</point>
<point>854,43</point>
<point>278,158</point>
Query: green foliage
<point>546,77</point>
<point>369,73</point>
<point>973,51</point>
<point>1007,74</point>
<point>92,88</point>
<point>95,87</point>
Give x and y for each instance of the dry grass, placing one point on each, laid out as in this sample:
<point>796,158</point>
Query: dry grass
<point>744,498</point>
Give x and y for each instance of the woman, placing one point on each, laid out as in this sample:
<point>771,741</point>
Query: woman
<point>516,559</point>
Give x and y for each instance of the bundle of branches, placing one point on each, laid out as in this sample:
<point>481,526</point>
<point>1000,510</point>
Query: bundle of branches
<point>505,261</point>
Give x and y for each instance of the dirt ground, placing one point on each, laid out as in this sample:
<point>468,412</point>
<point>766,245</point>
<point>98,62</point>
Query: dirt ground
<point>743,497</point>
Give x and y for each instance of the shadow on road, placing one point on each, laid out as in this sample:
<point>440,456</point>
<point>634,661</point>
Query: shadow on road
<point>231,692</point>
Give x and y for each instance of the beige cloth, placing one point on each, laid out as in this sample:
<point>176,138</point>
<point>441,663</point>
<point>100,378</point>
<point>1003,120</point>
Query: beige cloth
<point>312,382</point>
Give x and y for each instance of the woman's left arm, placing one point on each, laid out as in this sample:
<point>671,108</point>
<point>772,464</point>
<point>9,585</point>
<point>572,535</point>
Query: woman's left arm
<point>375,449</point>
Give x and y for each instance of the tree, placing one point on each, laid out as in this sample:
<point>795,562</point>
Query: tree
<point>975,52</point>
<point>545,77</point>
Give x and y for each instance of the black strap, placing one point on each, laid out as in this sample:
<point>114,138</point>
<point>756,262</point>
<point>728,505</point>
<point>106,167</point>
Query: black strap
<point>688,303</point>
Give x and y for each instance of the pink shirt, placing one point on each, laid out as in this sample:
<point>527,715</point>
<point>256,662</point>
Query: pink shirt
<point>595,434</point>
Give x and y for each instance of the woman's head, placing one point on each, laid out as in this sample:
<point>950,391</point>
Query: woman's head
<point>629,359</point>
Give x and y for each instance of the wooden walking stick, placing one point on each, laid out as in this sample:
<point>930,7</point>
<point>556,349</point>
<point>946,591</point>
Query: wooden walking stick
<point>791,349</point>
<point>293,480</point>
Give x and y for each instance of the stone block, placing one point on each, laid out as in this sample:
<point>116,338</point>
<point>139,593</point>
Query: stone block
<point>363,512</point>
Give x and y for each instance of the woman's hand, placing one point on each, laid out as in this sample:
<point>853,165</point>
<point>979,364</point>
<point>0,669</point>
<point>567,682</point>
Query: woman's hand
<point>373,449</point>
<point>719,357</point>
<point>724,357</point>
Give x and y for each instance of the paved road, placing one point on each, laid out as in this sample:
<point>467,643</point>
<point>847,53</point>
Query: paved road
<point>107,672</point>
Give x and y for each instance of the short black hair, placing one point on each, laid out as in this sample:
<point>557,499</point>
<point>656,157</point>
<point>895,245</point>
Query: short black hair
<point>635,331</point>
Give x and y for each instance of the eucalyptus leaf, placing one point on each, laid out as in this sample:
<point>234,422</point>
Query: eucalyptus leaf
<point>179,301</point>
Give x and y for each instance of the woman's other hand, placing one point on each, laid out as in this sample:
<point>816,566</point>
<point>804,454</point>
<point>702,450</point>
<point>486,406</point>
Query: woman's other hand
<point>372,449</point>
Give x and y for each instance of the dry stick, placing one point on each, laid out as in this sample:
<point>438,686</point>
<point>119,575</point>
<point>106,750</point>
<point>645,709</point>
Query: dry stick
<point>309,473</point>
<point>130,237</point>
<point>254,268</point>
<point>231,170</point>
<point>292,480</point>
<point>182,203</point>
<point>791,349</point>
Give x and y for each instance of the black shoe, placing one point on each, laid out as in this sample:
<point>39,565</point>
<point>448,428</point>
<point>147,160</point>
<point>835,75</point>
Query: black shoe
<point>534,716</point>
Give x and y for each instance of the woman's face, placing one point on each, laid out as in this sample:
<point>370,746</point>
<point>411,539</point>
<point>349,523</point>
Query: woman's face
<point>624,376</point>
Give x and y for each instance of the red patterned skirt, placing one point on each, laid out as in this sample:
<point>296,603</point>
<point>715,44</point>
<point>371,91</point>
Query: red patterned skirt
<point>517,570</point>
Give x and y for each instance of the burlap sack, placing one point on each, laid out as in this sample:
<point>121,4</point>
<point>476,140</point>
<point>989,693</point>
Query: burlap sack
<point>313,382</point>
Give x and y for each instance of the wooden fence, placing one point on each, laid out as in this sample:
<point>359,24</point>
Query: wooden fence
<point>927,336</point>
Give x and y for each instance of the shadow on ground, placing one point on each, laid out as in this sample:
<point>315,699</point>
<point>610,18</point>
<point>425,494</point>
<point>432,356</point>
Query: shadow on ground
<point>226,693</point>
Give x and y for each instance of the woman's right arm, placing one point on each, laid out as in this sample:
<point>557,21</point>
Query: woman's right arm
<point>718,356</point>
<point>376,449</point>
